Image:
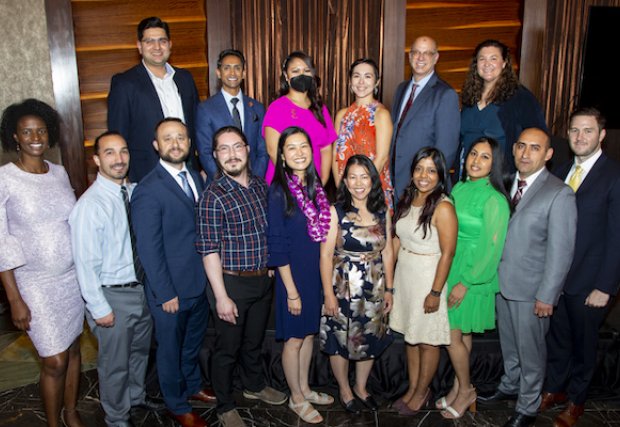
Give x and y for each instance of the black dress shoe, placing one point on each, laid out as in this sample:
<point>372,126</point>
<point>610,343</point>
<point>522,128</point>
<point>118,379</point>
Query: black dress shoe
<point>154,404</point>
<point>369,402</point>
<point>498,396</point>
<point>520,420</point>
<point>352,406</point>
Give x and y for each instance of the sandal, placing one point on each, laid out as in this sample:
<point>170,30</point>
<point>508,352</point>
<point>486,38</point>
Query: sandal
<point>452,414</point>
<point>318,398</point>
<point>305,411</point>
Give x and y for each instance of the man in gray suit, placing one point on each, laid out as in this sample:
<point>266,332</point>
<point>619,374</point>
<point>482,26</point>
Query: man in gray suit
<point>425,113</point>
<point>537,255</point>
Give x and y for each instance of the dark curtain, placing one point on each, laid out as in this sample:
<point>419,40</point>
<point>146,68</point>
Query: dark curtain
<point>562,61</point>
<point>333,32</point>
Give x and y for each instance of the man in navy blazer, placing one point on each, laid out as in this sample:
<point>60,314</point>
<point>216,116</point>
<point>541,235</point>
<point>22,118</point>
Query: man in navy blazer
<point>163,216</point>
<point>219,111</point>
<point>425,113</point>
<point>143,95</point>
<point>594,275</point>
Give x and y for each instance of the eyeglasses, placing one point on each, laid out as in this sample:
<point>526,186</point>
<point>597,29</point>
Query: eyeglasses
<point>162,41</point>
<point>424,54</point>
<point>226,149</point>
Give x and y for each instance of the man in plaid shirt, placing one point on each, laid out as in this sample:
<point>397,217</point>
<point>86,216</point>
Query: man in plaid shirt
<point>232,222</point>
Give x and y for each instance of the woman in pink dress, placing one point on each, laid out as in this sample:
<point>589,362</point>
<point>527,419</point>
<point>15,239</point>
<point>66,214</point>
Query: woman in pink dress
<point>36,263</point>
<point>365,127</point>
<point>300,105</point>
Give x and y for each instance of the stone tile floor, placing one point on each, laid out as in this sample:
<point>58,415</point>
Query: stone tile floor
<point>20,404</point>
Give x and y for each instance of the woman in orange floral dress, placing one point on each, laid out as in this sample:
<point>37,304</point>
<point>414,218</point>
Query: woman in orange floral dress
<point>365,127</point>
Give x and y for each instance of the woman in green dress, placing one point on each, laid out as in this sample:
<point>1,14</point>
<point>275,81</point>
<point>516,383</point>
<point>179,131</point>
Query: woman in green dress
<point>483,209</point>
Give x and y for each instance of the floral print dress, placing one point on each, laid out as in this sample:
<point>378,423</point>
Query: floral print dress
<point>360,330</point>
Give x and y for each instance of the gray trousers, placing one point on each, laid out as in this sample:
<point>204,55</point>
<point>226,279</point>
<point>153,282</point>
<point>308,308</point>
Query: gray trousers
<point>522,338</point>
<point>123,353</point>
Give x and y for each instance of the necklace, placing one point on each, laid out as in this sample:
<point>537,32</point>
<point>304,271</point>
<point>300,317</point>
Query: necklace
<point>25,169</point>
<point>317,219</point>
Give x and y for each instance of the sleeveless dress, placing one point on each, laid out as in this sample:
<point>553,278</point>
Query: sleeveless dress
<point>483,215</point>
<point>358,135</point>
<point>360,331</point>
<point>35,241</point>
<point>413,279</point>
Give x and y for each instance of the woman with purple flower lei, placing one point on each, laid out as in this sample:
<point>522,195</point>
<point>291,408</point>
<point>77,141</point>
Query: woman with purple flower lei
<point>357,270</point>
<point>298,217</point>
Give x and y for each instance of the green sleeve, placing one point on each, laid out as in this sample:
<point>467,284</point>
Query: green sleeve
<point>488,250</point>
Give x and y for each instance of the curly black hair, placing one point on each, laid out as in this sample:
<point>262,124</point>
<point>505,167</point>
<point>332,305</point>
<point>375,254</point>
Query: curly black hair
<point>30,107</point>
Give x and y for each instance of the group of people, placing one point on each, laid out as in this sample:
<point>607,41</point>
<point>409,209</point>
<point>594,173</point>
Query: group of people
<point>153,246</point>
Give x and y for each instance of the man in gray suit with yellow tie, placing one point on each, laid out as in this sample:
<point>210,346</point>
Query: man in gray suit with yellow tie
<point>537,255</point>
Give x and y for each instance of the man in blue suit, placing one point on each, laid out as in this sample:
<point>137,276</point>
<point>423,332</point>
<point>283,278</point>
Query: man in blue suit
<point>230,107</point>
<point>163,218</point>
<point>425,113</point>
<point>594,275</point>
<point>143,95</point>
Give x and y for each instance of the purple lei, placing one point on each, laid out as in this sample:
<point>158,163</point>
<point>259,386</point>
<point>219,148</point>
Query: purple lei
<point>317,220</point>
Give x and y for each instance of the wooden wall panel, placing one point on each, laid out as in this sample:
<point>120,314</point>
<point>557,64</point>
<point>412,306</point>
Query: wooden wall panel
<point>458,26</point>
<point>105,39</point>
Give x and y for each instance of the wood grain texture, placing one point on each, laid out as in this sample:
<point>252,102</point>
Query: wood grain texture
<point>66,90</point>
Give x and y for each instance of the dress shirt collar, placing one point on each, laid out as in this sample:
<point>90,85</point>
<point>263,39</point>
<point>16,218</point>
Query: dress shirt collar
<point>227,182</point>
<point>174,171</point>
<point>227,97</point>
<point>422,82</point>
<point>529,181</point>
<point>111,186</point>
<point>587,164</point>
<point>169,72</point>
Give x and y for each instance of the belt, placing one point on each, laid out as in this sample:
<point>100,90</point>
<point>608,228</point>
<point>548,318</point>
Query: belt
<point>124,285</point>
<point>254,273</point>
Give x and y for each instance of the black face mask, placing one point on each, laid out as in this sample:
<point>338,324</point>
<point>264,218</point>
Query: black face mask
<point>302,83</point>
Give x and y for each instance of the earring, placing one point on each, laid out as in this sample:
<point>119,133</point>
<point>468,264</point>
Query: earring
<point>17,147</point>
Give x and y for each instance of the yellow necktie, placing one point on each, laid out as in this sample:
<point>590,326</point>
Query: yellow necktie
<point>575,180</point>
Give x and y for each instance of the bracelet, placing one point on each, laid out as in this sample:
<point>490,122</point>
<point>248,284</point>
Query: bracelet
<point>390,290</point>
<point>293,299</point>
<point>435,293</point>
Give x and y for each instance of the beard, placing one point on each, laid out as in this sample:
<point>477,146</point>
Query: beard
<point>166,157</point>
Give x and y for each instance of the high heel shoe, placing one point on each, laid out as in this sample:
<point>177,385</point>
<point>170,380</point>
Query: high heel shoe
<point>452,414</point>
<point>408,412</point>
<point>65,411</point>
<point>399,403</point>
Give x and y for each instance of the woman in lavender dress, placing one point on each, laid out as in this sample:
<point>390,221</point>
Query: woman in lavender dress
<point>36,264</point>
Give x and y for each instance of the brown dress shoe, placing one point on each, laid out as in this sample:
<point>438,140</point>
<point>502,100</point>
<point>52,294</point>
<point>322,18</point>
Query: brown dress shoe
<point>550,400</point>
<point>569,416</point>
<point>205,395</point>
<point>190,419</point>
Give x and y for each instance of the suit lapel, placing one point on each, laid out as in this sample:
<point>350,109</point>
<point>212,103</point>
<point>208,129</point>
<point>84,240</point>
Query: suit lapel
<point>421,99</point>
<point>221,112</point>
<point>149,89</point>
<point>173,186</point>
<point>531,192</point>
<point>250,118</point>
<point>593,176</point>
<point>398,101</point>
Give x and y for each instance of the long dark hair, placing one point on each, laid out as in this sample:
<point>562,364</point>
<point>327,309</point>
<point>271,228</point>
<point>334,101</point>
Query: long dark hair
<point>316,102</point>
<point>496,176</point>
<point>282,170</point>
<point>506,85</point>
<point>433,199</point>
<point>376,198</point>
